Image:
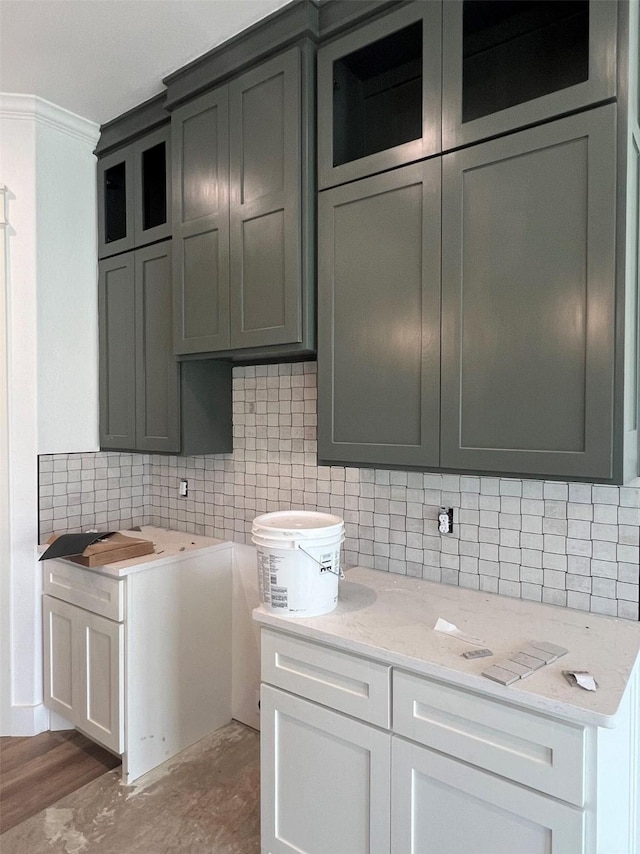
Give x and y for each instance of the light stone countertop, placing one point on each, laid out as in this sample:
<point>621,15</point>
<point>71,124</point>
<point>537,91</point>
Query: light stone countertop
<point>391,618</point>
<point>168,545</point>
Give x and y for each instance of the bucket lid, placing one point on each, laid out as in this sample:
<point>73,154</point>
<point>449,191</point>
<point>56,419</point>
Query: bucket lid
<point>298,523</point>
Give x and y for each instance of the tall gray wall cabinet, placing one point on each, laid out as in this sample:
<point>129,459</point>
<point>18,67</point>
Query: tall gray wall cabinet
<point>534,350</point>
<point>243,213</point>
<point>148,401</point>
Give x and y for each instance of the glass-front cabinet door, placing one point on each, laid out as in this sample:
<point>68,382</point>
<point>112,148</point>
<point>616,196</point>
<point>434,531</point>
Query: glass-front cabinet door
<point>514,63</point>
<point>379,95</point>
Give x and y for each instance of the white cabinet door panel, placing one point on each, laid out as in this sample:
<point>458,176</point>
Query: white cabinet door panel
<point>101,651</point>
<point>60,688</point>
<point>326,780</point>
<point>440,805</point>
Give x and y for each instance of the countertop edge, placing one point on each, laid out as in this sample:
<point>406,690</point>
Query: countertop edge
<point>479,685</point>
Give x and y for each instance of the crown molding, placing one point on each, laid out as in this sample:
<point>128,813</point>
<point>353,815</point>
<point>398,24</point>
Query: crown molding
<point>33,108</point>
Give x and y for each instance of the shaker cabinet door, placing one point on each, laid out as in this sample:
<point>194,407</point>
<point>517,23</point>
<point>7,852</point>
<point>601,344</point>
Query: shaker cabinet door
<point>440,805</point>
<point>265,204</point>
<point>100,646</point>
<point>379,319</point>
<point>157,370</point>
<point>326,780</point>
<point>200,158</point>
<point>528,300</point>
<point>116,311</point>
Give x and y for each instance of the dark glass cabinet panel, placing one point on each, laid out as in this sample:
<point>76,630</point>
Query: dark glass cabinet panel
<point>115,202</point>
<point>154,186</point>
<point>379,95</point>
<point>514,63</point>
<point>134,195</point>
<point>518,50</point>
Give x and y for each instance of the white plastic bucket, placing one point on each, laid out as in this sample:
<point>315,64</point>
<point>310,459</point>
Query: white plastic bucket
<point>298,561</point>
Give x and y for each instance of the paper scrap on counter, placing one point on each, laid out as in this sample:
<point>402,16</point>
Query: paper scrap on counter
<point>449,629</point>
<point>580,678</point>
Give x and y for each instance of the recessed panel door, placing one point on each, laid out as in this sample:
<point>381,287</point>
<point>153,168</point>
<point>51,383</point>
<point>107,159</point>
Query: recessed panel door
<point>200,157</point>
<point>379,319</point>
<point>528,301</point>
<point>265,192</point>
<point>116,311</point>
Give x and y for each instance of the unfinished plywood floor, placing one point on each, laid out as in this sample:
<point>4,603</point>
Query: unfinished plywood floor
<point>204,801</point>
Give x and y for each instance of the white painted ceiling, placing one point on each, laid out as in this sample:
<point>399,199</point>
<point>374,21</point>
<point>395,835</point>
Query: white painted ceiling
<point>99,58</point>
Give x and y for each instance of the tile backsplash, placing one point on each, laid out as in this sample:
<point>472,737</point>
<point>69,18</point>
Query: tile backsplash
<point>571,544</point>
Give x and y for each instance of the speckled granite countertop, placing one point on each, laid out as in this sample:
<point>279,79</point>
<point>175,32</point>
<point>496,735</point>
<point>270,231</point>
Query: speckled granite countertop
<point>391,618</point>
<point>168,545</point>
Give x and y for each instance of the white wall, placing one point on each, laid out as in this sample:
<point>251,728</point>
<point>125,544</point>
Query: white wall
<point>66,211</point>
<point>51,220</point>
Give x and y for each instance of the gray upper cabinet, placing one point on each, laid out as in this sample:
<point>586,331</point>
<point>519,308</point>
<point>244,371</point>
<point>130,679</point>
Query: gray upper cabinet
<point>116,305</point>
<point>148,400</point>
<point>139,376</point>
<point>134,194</point>
<point>200,145</point>
<point>507,65</point>
<point>528,300</point>
<point>244,213</point>
<point>264,204</point>
<point>379,323</point>
<point>157,371</point>
<point>379,95</point>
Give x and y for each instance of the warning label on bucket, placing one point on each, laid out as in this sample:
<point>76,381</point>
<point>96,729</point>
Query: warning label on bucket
<point>270,592</point>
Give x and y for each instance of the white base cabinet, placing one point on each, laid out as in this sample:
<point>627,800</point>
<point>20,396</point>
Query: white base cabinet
<point>444,770</point>
<point>141,663</point>
<point>332,778</point>
<point>84,670</point>
<point>440,806</point>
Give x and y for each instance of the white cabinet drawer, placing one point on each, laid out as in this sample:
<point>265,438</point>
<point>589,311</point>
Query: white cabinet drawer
<point>96,593</point>
<point>539,752</point>
<point>347,683</point>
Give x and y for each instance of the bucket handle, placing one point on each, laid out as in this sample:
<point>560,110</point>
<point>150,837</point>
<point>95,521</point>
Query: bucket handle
<point>340,573</point>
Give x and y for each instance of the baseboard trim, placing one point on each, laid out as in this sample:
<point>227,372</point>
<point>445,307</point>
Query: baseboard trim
<point>27,720</point>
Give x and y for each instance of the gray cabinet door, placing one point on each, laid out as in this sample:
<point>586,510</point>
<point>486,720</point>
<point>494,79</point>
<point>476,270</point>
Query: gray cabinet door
<point>367,94</point>
<point>528,300</point>
<point>157,370</point>
<point>116,304</point>
<point>492,67</point>
<point>265,204</point>
<point>379,319</point>
<point>200,172</point>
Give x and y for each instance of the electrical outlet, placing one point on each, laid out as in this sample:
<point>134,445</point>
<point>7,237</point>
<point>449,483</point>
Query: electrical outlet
<point>183,489</point>
<point>445,520</point>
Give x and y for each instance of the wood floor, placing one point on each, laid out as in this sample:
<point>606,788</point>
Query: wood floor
<point>38,771</point>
